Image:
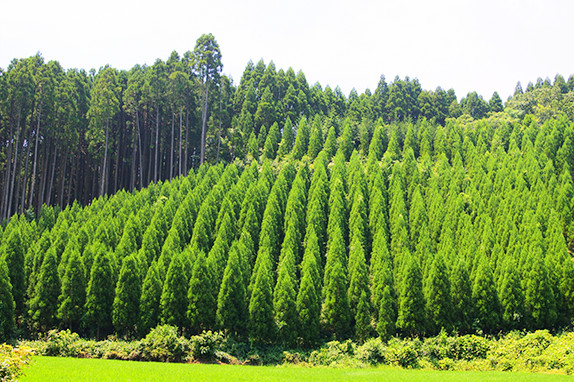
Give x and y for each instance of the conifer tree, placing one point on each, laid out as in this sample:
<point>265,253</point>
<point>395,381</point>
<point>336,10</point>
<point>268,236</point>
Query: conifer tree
<point>173,302</point>
<point>284,300</point>
<point>125,311</point>
<point>272,142</point>
<point>330,145</point>
<point>461,296</point>
<point>309,295</point>
<point>411,302</point>
<point>315,139</point>
<point>359,294</point>
<point>287,139</point>
<point>7,322</point>
<point>202,303</point>
<point>44,303</point>
<point>301,140</point>
<point>232,312</point>
<point>485,299</point>
<point>14,257</point>
<point>437,296</point>
<point>73,295</point>
<point>100,295</point>
<point>511,297</point>
<point>150,300</point>
<point>539,299</point>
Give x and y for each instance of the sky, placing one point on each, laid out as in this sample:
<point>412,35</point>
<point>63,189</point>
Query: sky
<point>467,45</point>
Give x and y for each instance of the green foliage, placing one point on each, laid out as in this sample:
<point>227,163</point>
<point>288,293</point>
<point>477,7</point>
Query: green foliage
<point>12,361</point>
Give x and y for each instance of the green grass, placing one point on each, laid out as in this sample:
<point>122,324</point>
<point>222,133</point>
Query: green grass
<point>56,369</point>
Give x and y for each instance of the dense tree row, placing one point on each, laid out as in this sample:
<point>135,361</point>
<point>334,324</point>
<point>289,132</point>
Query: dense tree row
<point>324,231</point>
<point>74,135</point>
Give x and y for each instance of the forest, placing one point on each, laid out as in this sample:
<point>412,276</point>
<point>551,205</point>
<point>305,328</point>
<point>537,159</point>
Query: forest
<point>279,212</point>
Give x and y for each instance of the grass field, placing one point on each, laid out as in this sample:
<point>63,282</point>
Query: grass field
<point>56,369</point>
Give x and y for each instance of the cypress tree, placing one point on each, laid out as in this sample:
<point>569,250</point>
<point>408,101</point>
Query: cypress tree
<point>173,302</point>
<point>382,289</point>
<point>44,303</point>
<point>309,295</point>
<point>201,297</point>
<point>232,312</point>
<point>437,296</point>
<point>100,294</point>
<point>301,140</point>
<point>284,300</point>
<point>7,321</point>
<point>330,146</point>
<point>411,312</point>
<point>14,257</point>
<point>511,297</point>
<point>73,295</point>
<point>272,142</point>
<point>150,300</point>
<point>485,299</point>
<point>359,296</point>
<point>125,311</point>
<point>539,299</point>
<point>461,297</point>
<point>287,139</point>
<point>315,139</point>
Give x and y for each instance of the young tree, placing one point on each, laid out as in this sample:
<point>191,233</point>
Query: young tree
<point>125,310</point>
<point>7,322</point>
<point>202,303</point>
<point>411,314</point>
<point>150,300</point>
<point>100,294</point>
<point>73,295</point>
<point>173,302</point>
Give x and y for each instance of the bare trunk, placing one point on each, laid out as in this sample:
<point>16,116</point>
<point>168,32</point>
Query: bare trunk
<point>103,181</point>
<point>180,136</point>
<point>139,147</point>
<point>219,132</point>
<point>63,179</point>
<point>8,174</point>
<point>171,148</point>
<point>14,174</point>
<point>23,198</point>
<point>156,145</point>
<point>52,171</point>
<point>186,169</point>
<point>35,155</point>
<point>204,121</point>
<point>43,176</point>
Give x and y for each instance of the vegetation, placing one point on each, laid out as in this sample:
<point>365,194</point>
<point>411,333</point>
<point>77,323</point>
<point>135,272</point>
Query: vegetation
<point>278,213</point>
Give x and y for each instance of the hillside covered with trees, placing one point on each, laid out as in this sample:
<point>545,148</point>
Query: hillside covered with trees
<point>280,212</point>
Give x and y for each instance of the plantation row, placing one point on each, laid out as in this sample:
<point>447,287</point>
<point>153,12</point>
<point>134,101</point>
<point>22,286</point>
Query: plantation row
<point>465,227</point>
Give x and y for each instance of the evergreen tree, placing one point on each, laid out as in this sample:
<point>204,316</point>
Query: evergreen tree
<point>44,303</point>
<point>100,295</point>
<point>411,302</point>
<point>309,295</point>
<point>511,297</point>
<point>150,300</point>
<point>301,140</point>
<point>272,142</point>
<point>437,296</point>
<point>7,322</point>
<point>14,257</point>
<point>287,139</point>
<point>485,299</point>
<point>73,295</point>
<point>315,139</point>
<point>232,312</point>
<point>330,145</point>
<point>539,299</point>
<point>125,311</point>
<point>202,303</point>
<point>173,302</point>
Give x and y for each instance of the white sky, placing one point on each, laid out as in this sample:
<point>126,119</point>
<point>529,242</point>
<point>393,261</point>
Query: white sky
<point>482,45</point>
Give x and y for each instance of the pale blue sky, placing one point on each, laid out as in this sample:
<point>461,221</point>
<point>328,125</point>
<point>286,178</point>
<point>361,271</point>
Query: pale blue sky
<point>482,45</point>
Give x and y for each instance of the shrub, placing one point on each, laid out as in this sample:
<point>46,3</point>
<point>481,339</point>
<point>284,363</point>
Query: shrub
<point>372,351</point>
<point>12,360</point>
<point>62,343</point>
<point>164,344</point>
<point>404,353</point>
<point>204,345</point>
<point>336,353</point>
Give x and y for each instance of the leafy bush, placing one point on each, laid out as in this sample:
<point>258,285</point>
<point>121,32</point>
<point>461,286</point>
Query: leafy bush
<point>335,354</point>
<point>164,344</point>
<point>61,343</point>
<point>204,345</point>
<point>373,351</point>
<point>12,360</point>
<point>404,353</point>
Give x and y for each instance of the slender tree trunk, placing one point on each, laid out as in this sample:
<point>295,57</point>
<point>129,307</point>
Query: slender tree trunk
<point>185,167</point>
<point>15,173</point>
<point>103,181</point>
<point>180,137</point>
<point>23,198</point>
<point>35,154</point>
<point>204,121</point>
<point>156,145</point>
<point>171,148</point>
<point>63,177</point>
<point>43,176</point>
<point>139,148</point>
<point>8,174</point>
<point>52,171</point>
<point>219,132</point>
<point>134,160</point>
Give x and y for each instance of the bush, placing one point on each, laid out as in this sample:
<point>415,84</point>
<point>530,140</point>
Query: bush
<point>61,343</point>
<point>372,351</point>
<point>335,354</point>
<point>404,353</point>
<point>12,360</point>
<point>164,344</point>
<point>204,345</point>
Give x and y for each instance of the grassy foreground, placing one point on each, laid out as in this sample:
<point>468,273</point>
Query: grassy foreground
<point>57,369</point>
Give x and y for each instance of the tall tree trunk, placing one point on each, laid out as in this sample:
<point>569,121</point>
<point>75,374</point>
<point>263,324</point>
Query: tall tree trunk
<point>134,160</point>
<point>8,173</point>
<point>103,181</point>
<point>204,121</point>
<point>219,132</point>
<point>43,176</point>
<point>25,183</point>
<point>35,154</point>
<point>185,167</point>
<point>156,145</point>
<point>52,171</point>
<point>15,173</point>
<point>63,178</point>
<point>180,137</point>
<point>171,148</point>
<point>139,148</point>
